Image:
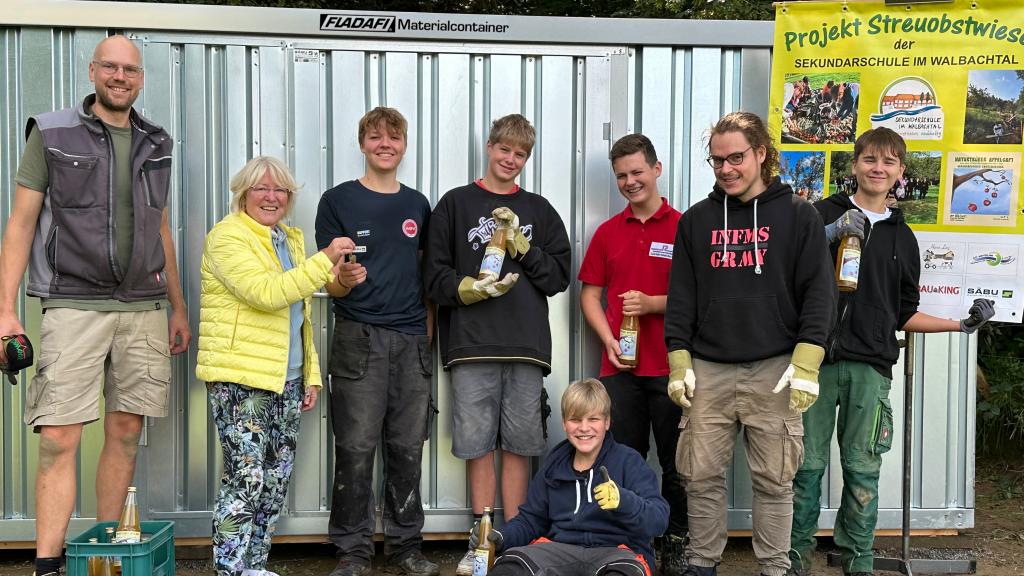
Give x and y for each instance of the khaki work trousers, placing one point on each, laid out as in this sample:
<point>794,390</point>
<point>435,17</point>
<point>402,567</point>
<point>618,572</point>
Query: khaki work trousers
<point>730,398</point>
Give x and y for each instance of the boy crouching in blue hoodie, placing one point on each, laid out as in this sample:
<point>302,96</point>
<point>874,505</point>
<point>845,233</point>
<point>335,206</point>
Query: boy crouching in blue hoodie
<point>594,506</point>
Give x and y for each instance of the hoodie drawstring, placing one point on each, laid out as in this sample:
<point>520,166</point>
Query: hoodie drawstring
<point>725,224</point>
<point>580,487</point>
<point>757,253</point>
<point>725,234</point>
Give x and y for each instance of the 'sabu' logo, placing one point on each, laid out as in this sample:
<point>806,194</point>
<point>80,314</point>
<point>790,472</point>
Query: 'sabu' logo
<point>357,23</point>
<point>993,292</point>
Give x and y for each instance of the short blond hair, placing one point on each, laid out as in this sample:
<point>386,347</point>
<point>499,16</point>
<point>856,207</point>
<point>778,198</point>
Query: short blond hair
<point>513,129</point>
<point>392,120</point>
<point>252,173</point>
<point>584,397</point>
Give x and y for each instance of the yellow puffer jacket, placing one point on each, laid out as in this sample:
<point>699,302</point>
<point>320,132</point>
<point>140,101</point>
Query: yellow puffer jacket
<point>243,308</point>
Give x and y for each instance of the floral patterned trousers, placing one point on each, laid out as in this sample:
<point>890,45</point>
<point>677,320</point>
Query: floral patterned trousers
<point>258,430</point>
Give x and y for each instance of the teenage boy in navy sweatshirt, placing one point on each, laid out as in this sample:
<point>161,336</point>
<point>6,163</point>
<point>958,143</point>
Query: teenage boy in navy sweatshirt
<point>381,362</point>
<point>592,509</point>
<point>630,256</point>
<point>857,373</point>
<point>749,305</point>
<point>495,336</point>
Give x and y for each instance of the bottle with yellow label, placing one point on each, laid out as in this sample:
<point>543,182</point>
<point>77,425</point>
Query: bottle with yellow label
<point>848,263</point>
<point>629,340</point>
<point>484,553</point>
<point>494,253</point>
<point>128,529</point>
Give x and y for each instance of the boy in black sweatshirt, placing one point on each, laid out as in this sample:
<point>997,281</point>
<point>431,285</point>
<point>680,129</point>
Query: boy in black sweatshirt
<point>495,337</point>
<point>860,354</point>
<point>750,301</point>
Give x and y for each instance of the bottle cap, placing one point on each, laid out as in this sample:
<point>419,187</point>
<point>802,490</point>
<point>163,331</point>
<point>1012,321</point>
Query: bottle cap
<point>131,488</point>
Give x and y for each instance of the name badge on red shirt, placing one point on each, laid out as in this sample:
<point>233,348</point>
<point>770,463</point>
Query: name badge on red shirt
<point>660,250</point>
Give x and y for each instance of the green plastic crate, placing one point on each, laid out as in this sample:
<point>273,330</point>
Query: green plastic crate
<point>154,557</point>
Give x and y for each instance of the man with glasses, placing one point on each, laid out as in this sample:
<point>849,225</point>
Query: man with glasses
<point>90,221</point>
<point>750,300</point>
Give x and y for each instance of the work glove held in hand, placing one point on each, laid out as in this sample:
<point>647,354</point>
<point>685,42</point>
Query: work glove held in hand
<point>516,243</point>
<point>607,492</point>
<point>853,222</point>
<point>980,312</point>
<point>494,537</point>
<point>501,287</point>
<point>472,290</point>
<point>681,380</point>
<point>801,376</point>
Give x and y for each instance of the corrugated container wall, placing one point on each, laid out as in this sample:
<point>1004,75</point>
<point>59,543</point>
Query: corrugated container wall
<point>227,97</point>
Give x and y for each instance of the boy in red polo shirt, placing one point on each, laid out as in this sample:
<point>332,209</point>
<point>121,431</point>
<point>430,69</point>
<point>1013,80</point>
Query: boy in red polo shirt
<point>630,255</point>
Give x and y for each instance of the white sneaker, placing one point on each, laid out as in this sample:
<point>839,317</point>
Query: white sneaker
<point>250,572</point>
<point>465,567</point>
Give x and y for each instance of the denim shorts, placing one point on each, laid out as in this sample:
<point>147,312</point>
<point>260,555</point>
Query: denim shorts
<point>497,399</point>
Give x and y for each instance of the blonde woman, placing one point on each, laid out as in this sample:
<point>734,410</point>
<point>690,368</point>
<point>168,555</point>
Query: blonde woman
<point>257,356</point>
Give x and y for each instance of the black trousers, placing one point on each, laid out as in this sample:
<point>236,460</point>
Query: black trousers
<point>640,404</point>
<point>380,393</point>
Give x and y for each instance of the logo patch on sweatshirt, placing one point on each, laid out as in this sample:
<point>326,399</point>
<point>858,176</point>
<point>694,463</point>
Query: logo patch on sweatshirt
<point>481,235</point>
<point>744,247</point>
<point>409,228</point>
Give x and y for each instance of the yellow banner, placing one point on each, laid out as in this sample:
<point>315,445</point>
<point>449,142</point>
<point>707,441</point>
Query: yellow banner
<point>949,77</point>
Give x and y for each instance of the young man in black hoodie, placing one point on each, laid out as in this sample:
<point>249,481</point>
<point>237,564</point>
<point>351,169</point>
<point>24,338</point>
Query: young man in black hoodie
<point>495,337</point>
<point>861,350</point>
<point>750,301</point>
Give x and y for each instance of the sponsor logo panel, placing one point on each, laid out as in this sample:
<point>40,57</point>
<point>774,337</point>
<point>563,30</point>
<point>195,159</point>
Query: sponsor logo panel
<point>942,257</point>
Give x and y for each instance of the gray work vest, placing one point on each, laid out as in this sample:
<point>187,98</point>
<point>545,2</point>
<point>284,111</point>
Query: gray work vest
<point>73,251</point>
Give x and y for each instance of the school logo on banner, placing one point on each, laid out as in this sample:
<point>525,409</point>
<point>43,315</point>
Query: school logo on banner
<point>910,107</point>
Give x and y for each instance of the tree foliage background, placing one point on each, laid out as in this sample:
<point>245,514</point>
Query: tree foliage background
<point>702,9</point>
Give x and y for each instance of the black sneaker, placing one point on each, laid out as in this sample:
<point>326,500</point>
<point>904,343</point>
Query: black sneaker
<point>415,564</point>
<point>350,567</point>
<point>673,555</point>
<point>798,571</point>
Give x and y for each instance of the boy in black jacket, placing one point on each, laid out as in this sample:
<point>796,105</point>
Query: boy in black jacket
<point>750,300</point>
<point>495,337</point>
<point>861,350</point>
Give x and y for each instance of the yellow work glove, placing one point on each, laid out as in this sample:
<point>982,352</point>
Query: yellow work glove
<point>472,290</point>
<point>681,379</point>
<point>607,492</point>
<point>515,243</point>
<point>802,376</point>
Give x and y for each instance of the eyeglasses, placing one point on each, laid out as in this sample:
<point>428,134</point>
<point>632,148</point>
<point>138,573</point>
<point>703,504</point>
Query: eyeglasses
<point>111,68</point>
<point>734,159</point>
<point>264,190</point>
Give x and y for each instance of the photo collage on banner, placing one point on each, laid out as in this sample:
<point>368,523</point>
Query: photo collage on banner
<point>949,78</point>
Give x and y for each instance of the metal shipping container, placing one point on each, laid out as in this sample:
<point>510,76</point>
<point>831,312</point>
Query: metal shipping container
<point>229,83</point>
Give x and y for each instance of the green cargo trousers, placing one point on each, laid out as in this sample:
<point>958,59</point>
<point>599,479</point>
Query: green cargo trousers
<point>865,433</point>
